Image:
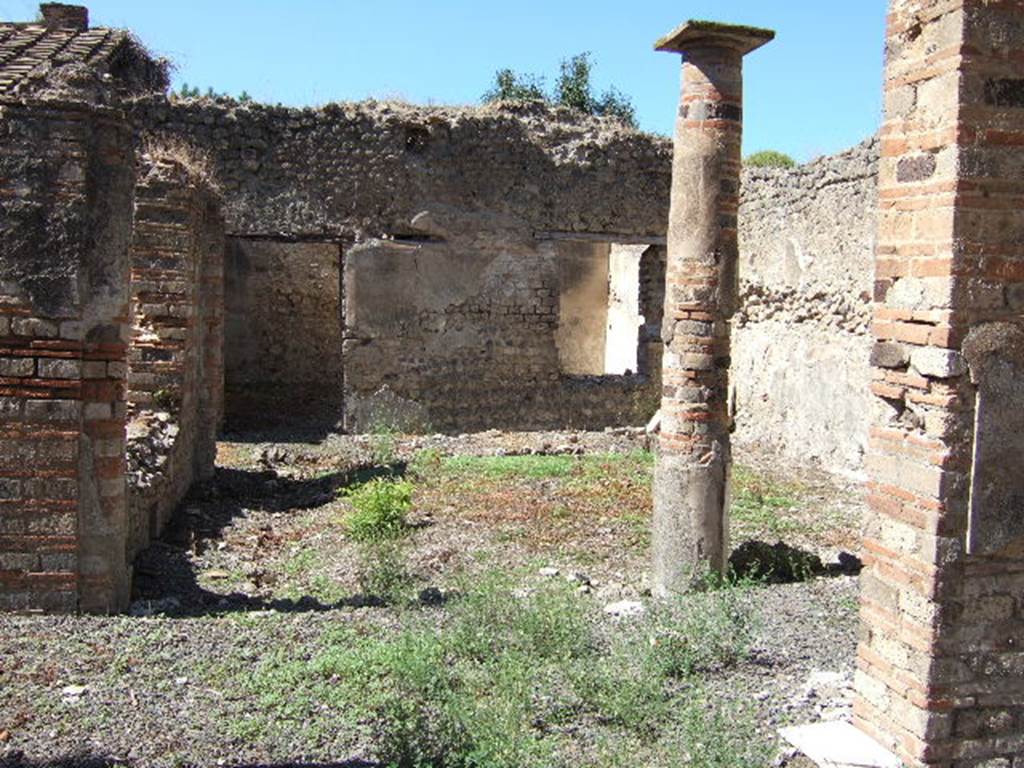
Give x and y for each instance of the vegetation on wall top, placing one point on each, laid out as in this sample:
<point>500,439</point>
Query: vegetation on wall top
<point>573,89</point>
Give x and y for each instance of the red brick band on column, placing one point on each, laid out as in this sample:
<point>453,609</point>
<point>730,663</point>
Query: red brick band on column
<point>690,526</point>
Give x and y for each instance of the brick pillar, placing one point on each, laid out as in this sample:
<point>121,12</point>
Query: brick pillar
<point>691,476</point>
<point>941,661</point>
<point>176,355</point>
<point>66,179</point>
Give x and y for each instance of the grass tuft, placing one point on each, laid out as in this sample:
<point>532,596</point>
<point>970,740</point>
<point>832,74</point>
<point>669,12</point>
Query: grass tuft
<point>379,509</point>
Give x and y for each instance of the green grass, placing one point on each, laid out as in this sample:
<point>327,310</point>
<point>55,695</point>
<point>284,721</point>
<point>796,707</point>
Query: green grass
<point>505,467</point>
<point>541,467</point>
<point>304,576</point>
<point>514,678</point>
<point>761,504</point>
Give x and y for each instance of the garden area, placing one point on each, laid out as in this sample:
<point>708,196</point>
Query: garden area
<point>453,602</point>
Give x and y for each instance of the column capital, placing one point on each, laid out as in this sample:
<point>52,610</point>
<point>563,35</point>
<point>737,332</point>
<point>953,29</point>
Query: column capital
<point>701,34</point>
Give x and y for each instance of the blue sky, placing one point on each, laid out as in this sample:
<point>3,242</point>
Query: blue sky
<point>815,90</point>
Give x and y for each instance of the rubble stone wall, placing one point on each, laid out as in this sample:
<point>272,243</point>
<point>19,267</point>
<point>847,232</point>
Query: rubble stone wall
<point>459,191</point>
<point>66,179</point>
<point>801,343</point>
<point>175,366</point>
<point>353,171</point>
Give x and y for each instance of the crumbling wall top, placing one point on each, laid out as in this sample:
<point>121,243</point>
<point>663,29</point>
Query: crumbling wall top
<point>63,16</point>
<point>353,171</point>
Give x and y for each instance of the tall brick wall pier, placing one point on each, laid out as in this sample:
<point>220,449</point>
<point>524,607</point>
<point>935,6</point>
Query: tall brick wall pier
<point>941,659</point>
<point>175,362</point>
<point>66,177</point>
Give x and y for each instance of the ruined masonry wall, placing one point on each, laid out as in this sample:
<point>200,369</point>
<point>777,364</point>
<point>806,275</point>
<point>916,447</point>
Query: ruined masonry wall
<point>66,178</point>
<point>353,171</point>
<point>460,335</point>
<point>348,180</point>
<point>801,344</point>
<point>283,314</point>
<point>175,371</point>
<point>350,175</point>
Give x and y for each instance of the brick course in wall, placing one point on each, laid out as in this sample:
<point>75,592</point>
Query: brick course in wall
<point>939,678</point>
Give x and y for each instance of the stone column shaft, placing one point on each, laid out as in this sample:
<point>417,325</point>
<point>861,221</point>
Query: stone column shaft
<point>691,475</point>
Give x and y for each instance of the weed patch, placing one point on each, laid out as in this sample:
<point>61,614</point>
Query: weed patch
<point>701,631</point>
<point>383,572</point>
<point>511,675</point>
<point>379,509</point>
<point>760,504</point>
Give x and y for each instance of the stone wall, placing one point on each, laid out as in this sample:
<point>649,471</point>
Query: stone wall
<point>352,171</point>
<point>800,368</point>
<point>175,360</point>
<point>521,175</point>
<point>66,178</point>
<point>464,333</point>
<point>447,200</point>
<point>283,351</point>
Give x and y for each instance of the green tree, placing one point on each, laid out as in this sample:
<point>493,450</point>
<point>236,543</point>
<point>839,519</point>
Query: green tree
<point>769,158</point>
<point>572,89</point>
<point>614,103</point>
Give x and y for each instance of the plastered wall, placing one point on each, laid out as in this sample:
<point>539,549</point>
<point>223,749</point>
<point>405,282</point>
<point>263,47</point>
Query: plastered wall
<point>801,344</point>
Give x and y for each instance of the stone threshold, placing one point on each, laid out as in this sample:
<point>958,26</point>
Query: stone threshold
<point>839,744</point>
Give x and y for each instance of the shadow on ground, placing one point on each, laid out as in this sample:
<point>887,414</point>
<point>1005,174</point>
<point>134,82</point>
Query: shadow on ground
<point>17,760</point>
<point>165,577</point>
<point>781,563</point>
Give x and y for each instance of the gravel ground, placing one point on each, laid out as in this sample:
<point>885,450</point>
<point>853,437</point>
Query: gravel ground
<point>257,561</point>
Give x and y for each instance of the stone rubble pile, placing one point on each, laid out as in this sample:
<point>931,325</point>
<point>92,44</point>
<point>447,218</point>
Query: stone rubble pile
<point>151,437</point>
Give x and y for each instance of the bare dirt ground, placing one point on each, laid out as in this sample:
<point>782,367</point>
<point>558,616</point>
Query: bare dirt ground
<point>258,568</point>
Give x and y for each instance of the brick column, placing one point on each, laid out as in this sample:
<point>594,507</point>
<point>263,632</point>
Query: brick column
<point>691,476</point>
<point>940,677</point>
<point>211,312</point>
